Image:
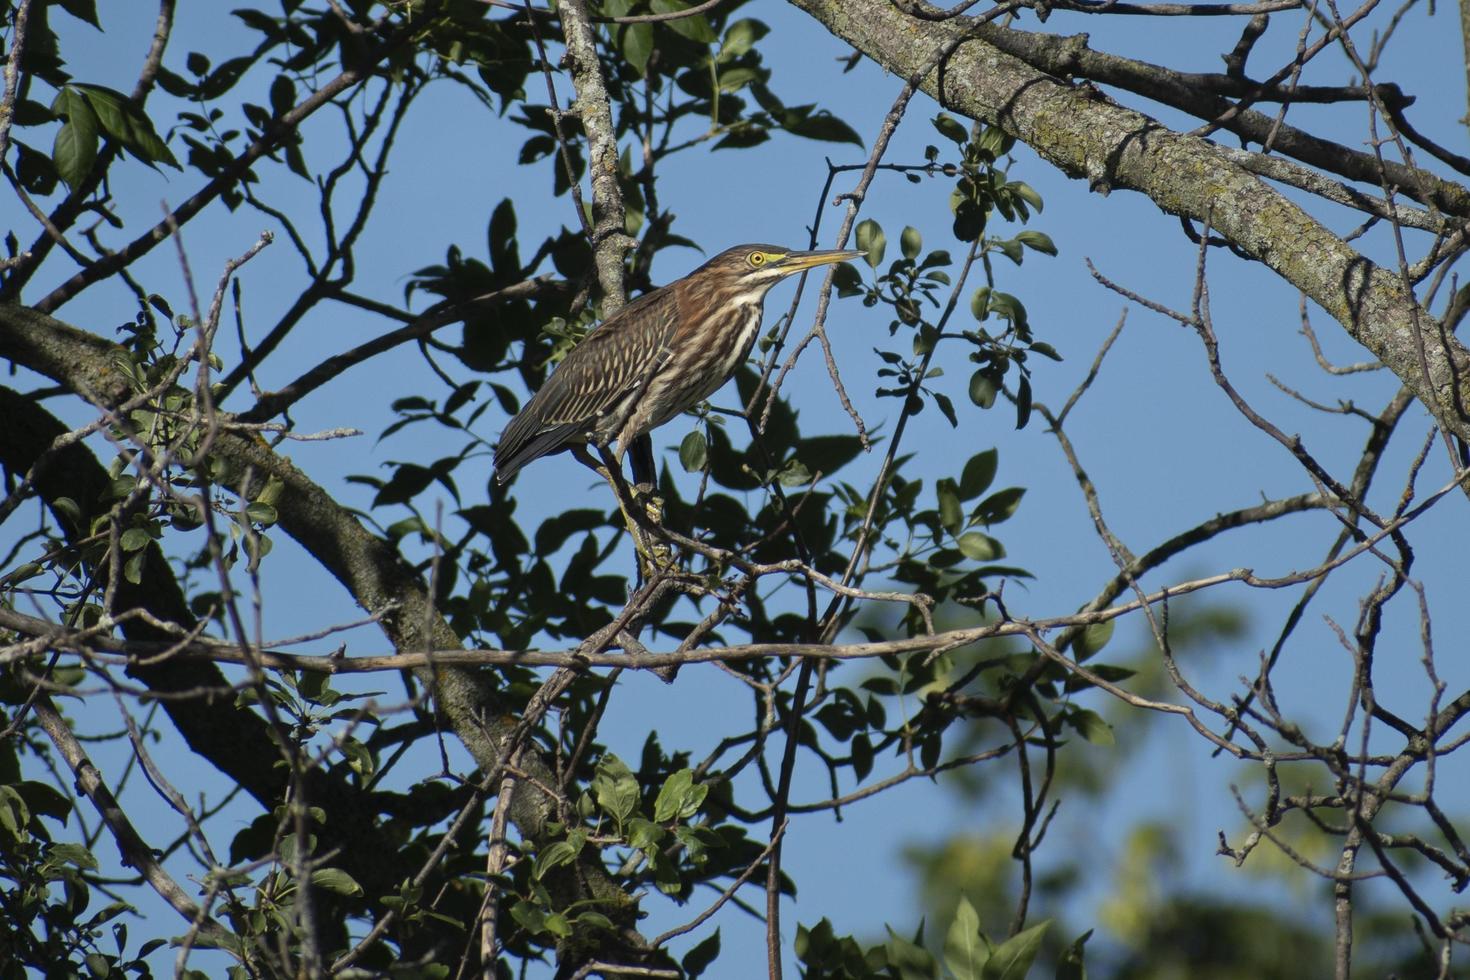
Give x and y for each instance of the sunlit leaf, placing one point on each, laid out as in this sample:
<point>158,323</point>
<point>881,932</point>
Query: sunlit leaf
<point>1012,959</point>
<point>965,948</point>
<point>980,547</point>
<point>335,880</point>
<point>911,242</point>
<point>870,239</point>
<point>1037,240</point>
<point>950,128</point>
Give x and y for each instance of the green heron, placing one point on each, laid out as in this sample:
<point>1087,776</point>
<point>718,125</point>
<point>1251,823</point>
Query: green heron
<point>660,355</point>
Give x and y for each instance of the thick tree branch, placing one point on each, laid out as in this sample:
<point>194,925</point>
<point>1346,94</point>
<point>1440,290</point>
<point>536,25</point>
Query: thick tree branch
<point>1204,97</point>
<point>368,566</point>
<point>595,112</point>
<point>1086,135</point>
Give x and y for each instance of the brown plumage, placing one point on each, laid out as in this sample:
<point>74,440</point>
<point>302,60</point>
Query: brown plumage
<point>660,355</point>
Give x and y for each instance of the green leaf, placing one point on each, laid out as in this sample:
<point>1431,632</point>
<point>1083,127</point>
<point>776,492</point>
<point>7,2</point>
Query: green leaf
<point>740,37</point>
<point>75,149</point>
<point>698,959</point>
<point>1092,639</point>
<point>794,474</point>
<point>1069,964</point>
<point>828,453</point>
<point>679,797</point>
<point>261,513</point>
<point>1091,726</point>
<point>999,506</point>
<point>1025,192</point>
<point>862,755</point>
<point>1108,672</point>
<point>1012,959</point>
<point>965,948</point>
<point>995,142</point>
<point>1010,248</point>
<point>735,79</point>
<point>950,514</point>
<point>359,758</point>
<point>847,280</point>
<point>695,28</point>
<point>693,451</point>
<point>43,798</point>
<point>21,573</point>
<point>821,125</point>
<point>645,835</point>
<point>969,219</point>
<point>1038,241</point>
<point>135,538</point>
<point>978,474</point>
<point>911,960</point>
<point>615,788</point>
<point>83,10</point>
<point>407,482</point>
<point>35,171</point>
<point>1009,307</point>
<point>14,814</point>
<point>335,880</point>
<point>1023,401</point>
<point>980,547</point>
<point>982,390</point>
<point>594,920</point>
<point>980,303</point>
<point>745,136</point>
<point>946,406</point>
<point>697,842</point>
<point>124,122</point>
<point>73,854</point>
<point>529,917</point>
<point>911,242</point>
<point>555,855</point>
<point>283,95</point>
<point>870,239</point>
<point>637,45</point>
<point>950,128</point>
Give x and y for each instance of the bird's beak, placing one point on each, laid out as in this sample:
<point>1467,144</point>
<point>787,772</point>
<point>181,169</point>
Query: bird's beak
<point>799,261</point>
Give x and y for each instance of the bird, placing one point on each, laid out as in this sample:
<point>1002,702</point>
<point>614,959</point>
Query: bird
<point>662,354</point>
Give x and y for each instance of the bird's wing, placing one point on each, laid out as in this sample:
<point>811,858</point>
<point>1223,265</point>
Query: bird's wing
<point>618,356</point>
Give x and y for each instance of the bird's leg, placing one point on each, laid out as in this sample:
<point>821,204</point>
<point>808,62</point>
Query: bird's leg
<point>609,470</point>
<point>644,526</point>
<point>645,478</point>
<point>655,554</point>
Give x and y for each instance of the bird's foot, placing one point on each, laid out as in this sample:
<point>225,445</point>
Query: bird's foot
<point>654,555</point>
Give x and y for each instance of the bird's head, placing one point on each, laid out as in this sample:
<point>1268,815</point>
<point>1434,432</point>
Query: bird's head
<point>752,269</point>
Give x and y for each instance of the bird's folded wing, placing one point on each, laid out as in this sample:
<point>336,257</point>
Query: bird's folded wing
<point>616,358</point>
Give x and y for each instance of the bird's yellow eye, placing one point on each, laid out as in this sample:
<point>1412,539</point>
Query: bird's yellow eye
<point>756,259</point>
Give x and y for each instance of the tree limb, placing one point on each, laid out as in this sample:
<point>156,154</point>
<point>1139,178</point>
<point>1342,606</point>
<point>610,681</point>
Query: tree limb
<point>1087,135</point>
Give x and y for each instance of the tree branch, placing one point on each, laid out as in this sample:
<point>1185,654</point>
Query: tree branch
<point>1088,136</point>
